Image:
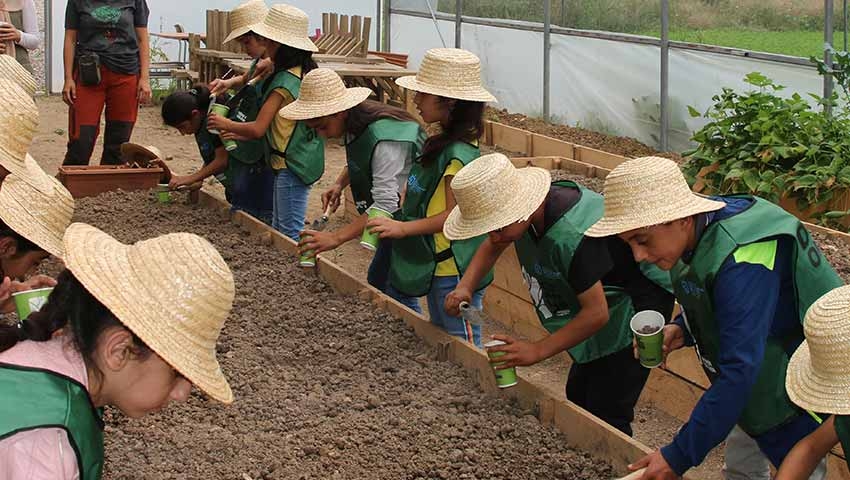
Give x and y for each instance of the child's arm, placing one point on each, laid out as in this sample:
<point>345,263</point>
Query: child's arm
<point>389,228</point>
<point>252,130</point>
<point>802,460</point>
<point>218,165</point>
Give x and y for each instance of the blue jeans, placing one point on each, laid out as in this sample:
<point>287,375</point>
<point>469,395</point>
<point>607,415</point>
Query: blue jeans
<point>252,191</point>
<point>290,203</point>
<point>379,276</point>
<point>455,326</point>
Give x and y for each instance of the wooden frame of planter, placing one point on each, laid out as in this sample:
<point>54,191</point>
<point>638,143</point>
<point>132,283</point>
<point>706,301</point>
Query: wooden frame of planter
<point>90,180</point>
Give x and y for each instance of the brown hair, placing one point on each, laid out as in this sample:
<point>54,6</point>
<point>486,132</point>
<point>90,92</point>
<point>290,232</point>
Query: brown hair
<point>466,124</point>
<point>369,111</point>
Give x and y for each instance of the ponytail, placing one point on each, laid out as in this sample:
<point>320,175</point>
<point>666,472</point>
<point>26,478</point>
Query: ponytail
<point>177,107</point>
<point>288,57</point>
<point>466,124</point>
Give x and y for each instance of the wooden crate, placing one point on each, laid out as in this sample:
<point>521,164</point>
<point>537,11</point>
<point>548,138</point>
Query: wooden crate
<point>91,180</point>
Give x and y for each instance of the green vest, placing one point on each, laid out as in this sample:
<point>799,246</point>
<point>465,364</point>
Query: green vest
<point>414,259</point>
<point>546,265</point>
<point>34,398</point>
<point>359,153</point>
<point>842,429</point>
<point>247,152</point>
<point>305,152</point>
<point>768,405</point>
<point>206,145</point>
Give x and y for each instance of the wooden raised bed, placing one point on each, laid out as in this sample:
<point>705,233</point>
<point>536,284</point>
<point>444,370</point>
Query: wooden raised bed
<point>90,180</point>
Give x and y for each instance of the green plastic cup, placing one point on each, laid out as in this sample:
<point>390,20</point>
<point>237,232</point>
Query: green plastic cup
<point>30,301</point>
<point>218,109</point>
<point>504,378</point>
<point>369,240</point>
<point>163,193</point>
<point>229,145</point>
<point>648,329</point>
<point>306,259</point>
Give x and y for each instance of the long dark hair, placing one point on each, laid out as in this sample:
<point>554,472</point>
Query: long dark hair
<point>287,57</point>
<point>466,124</point>
<point>70,307</point>
<point>178,107</point>
<point>370,111</point>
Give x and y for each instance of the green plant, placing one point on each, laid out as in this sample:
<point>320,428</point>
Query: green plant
<point>761,143</point>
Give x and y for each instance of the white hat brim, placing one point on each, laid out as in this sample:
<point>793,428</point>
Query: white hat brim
<point>533,186</point>
<point>640,218</point>
<point>479,94</point>
<point>301,110</point>
<point>102,264</point>
<point>813,392</point>
<point>301,43</point>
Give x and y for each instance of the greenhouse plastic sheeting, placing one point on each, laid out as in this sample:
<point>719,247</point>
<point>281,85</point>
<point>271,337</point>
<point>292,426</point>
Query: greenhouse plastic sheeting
<point>603,85</point>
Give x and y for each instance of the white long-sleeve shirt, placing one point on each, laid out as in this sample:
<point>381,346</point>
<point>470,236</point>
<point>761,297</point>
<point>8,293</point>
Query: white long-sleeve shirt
<point>30,36</point>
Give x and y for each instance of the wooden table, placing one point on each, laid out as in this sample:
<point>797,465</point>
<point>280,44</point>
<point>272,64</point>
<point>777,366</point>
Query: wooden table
<point>379,77</point>
<point>213,64</point>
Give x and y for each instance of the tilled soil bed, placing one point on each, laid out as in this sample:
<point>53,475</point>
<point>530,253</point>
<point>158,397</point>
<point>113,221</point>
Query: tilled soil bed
<point>326,386</point>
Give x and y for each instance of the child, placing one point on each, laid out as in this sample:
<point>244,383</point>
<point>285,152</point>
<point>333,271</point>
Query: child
<point>246,178</point>
<point>818,381</point>
<point>381,142</point>
<point>297,154</point>
<point>448,92</point>
<point>745,272</point>
<point>242,18</point>
<point>585,290</point>
<point>136,349</point>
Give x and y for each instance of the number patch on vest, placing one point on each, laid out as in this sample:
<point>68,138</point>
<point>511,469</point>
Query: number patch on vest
<point>806,244</point>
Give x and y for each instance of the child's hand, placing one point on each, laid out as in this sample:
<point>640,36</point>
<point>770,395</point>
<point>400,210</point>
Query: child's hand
<point>233,136</point>
<point>217,122</point>
<point>180,181</point>
<point>317,241</point>
<point>386,228</point>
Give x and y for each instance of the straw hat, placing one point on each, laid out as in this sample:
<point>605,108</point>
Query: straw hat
<point>174,292</point>
<point>451,73</point>
<point>645,192</point>
<point>323,93</point>
<point>244,16</point>
<point>40,218</point>
<point>131,152</point>
<point>491,193</point>
<point>12,70</point>
<point>818,378</point>
<point>287,25</point>
<point>18,124</point>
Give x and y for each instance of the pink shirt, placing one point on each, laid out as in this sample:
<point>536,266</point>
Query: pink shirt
<point>46,453</point>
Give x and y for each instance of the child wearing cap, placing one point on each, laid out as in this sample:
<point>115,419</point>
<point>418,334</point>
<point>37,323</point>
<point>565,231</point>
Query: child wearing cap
<point>381,143</point>
<point>134,349</point>
<point>585,290</point>
<point>295,152</point>
<point>745,272</point>
<point>449,92</point>
<point>818,380</point>
<point>247,180</point>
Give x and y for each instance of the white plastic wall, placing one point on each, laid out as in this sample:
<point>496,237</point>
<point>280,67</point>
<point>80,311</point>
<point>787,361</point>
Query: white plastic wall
<point>191,14</point>
<point>602,85</point>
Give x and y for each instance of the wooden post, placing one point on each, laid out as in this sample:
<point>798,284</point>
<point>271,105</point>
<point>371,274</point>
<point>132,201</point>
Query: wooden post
<point>367,26</point>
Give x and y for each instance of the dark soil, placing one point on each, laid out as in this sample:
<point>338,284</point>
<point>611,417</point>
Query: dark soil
<point>836,252</point>
<point>326,386</point>
<point>625,146</point>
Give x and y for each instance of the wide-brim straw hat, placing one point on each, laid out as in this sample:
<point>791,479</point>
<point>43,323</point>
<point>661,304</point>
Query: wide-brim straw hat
<point>11,69</point>
<point>132,152</point>
<point>174,292</point>
<point>323,93</point>
<point>18,124</point>
<point>39,217</point>
<point>492,193</point>
<point>818,378</point>
<point>451,73</point>
<point>645,192</point>
<point>287,25</point>
<point>244,16</point>
<point>35,176</point>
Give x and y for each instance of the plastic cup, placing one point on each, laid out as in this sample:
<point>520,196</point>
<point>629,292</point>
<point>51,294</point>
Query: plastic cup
<point>306,259</point>
<point>218,109</point>
<point>30,301</point>
<point>648,329</point>
<point>504,378</point>
<point>369,240</point>
<point>163,193</point>
<point>229,145</point>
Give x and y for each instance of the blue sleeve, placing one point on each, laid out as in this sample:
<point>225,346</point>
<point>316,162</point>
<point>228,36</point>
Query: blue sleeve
<point>680,321</point>
<point>745,299</point>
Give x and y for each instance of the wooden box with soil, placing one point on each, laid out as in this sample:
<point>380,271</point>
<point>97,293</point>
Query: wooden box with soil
<point>90,180</point>
<point>330,386</point>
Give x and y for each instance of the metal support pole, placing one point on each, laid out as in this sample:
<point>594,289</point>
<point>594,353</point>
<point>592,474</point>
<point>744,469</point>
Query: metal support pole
<point>845,25</point>
<point>547,49</point>
<point>564,13</point>
<point>665,73</point>
<point>378,33</point>
<point>827,57</point>
<point>48,47</point>
<point>388,27</point>
<point>458,21</point>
